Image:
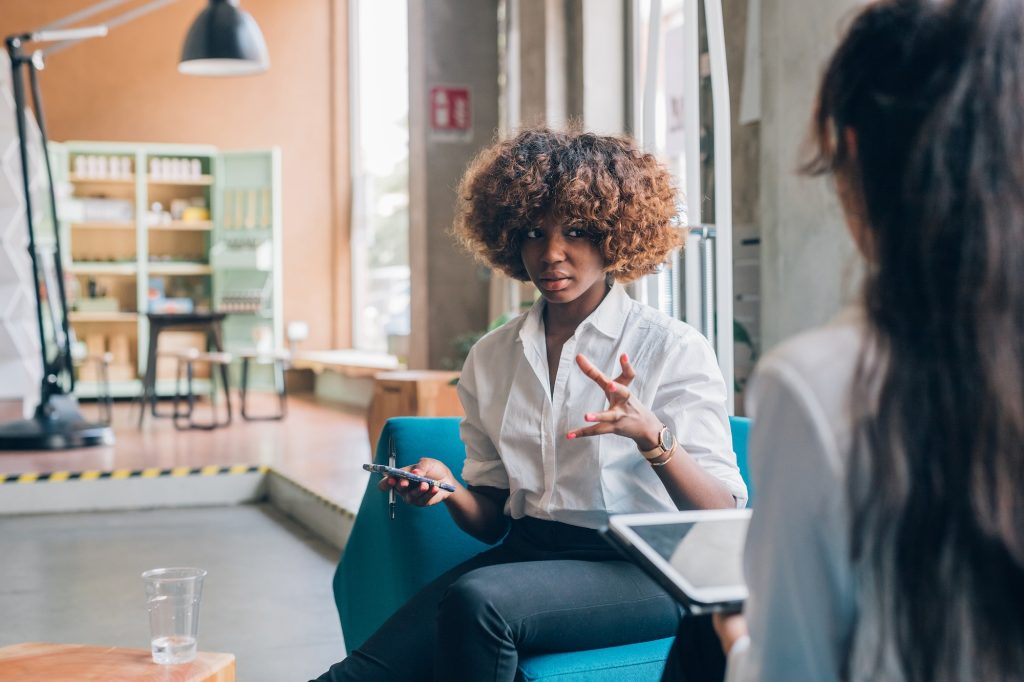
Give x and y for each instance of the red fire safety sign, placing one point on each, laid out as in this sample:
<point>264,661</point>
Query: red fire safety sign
<point>451,112</point>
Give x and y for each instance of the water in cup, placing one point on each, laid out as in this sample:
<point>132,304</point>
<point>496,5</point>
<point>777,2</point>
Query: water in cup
<point>173,596</point>
<point>174,649</point>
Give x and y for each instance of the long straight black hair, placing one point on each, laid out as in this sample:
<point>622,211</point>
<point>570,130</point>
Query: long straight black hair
<point>933,92</point>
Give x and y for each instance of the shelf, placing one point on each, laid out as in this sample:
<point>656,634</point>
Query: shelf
<point>103,225</point>
<point>85,268</point>
<point>180,269</point>
<point>83,179</point>
<point>75,316</point>
<point>182,226</point>
<point>201,181</point>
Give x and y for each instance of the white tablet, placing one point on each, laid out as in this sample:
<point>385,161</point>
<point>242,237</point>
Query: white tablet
<point>696,555</point>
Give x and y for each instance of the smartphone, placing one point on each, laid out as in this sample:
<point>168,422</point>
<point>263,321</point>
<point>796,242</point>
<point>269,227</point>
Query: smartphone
<point>409,476</point>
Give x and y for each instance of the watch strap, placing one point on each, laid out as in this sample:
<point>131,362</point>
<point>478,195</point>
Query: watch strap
<point>659,449</point>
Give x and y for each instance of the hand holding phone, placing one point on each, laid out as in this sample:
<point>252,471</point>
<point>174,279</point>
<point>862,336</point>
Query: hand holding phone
<point>385,470</point>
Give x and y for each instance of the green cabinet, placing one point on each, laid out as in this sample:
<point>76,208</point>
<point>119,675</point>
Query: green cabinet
<point>168,228</point>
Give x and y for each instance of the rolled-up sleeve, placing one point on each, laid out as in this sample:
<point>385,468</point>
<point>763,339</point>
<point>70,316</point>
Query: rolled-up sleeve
<point>691,402</point>
<point>483,465</point>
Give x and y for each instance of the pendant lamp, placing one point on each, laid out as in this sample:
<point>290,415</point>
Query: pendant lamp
<point>224,40</point>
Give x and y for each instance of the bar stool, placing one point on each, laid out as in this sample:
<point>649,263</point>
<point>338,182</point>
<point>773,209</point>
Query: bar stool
<point>279,360</point>
<point>210,323</point>
<point>184,419</point>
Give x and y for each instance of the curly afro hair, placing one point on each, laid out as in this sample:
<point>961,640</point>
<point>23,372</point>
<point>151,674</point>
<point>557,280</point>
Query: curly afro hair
<point>623,198</point>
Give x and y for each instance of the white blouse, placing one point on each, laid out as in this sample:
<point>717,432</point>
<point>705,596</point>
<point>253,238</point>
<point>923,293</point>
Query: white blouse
<point>806,613</point>
<point>515,427</point>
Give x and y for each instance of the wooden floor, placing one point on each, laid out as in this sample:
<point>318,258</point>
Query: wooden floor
<point>321,446</point>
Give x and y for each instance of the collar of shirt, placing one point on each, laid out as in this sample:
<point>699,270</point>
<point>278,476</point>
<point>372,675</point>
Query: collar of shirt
<point>608,318</point>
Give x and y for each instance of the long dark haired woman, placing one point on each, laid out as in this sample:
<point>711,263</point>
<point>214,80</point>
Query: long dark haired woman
<point>888,447</point>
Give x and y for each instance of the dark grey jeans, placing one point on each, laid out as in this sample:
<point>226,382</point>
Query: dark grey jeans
<point>548,587</point>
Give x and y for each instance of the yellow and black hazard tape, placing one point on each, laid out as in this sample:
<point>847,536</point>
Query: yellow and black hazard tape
<point>121,474</point>
<point>333,506</point>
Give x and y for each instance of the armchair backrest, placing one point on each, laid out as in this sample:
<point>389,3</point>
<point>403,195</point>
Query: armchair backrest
<point>740,427</point>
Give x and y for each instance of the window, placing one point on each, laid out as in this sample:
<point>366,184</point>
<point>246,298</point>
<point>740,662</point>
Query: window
<point>380,172</point>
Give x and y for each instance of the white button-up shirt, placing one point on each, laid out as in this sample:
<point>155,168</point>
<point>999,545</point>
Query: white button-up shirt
<point>515,426</point>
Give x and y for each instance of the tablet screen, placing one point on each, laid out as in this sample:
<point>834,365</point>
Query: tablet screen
<point>696,555</point>
<point>705,553</point>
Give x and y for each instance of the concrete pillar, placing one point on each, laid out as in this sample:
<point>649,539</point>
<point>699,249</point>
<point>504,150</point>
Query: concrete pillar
<point>571,63</point>
<point>808,266</point>
<point>455,43</point>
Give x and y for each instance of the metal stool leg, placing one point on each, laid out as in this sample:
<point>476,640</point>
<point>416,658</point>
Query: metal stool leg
<point>282,388</point>
<point>244,388</point>
<point>183,419</point>
<point>215,422</point>
<point>106,400</point>
<point>277,367</point>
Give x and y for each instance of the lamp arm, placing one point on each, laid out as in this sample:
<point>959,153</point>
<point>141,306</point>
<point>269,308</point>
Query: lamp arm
<point>80,15</point>
<point>64,358</point>
<point>113,23</point>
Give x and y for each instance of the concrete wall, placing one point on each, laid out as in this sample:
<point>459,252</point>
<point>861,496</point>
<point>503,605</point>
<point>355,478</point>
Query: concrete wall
<point>451,42</point>
<point>126,87</point>
<point>808,266</point>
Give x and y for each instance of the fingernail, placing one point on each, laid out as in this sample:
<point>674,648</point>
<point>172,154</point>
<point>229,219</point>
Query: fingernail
<point>588,417</point>
<point>570,435</point>
<point>611,387</point>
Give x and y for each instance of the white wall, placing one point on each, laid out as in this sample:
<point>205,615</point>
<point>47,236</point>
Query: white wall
<point>808,267</point>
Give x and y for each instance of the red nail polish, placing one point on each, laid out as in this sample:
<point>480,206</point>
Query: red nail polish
<point>570,436</point>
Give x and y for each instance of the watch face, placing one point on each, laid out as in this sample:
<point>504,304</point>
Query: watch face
<point>667,439</point>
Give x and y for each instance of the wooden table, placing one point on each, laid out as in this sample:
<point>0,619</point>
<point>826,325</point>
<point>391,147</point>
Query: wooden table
<point>40,662</point>
<point>411,393</point>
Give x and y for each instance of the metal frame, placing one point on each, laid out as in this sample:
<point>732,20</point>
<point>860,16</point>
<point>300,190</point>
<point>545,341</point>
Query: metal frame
<point>707,258</point>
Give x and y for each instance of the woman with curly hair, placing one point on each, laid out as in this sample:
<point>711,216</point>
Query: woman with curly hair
<point>553,443</point>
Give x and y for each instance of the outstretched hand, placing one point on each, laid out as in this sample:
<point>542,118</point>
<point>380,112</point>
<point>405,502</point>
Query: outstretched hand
<point>625,415</point>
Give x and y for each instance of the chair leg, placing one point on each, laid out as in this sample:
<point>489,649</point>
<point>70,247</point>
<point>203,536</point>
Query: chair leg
<point>183,419</point>
<point>279,386</point>
<point>244,388</point>
<point>106,400</point>
<point>215,422</point>
<point>282,388</point>
<point>227,397</point>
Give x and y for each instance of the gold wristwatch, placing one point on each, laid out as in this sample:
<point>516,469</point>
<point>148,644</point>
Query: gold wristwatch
<point>666,441</point>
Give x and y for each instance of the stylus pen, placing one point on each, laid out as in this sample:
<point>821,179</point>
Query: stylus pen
<point>392,460</point>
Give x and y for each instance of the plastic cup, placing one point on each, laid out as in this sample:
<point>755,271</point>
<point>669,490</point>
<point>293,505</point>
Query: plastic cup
<point>172,599</point>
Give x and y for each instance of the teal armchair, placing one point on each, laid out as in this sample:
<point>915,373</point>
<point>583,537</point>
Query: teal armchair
<point>402,553</point>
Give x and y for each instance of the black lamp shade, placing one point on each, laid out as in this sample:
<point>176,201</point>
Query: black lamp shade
<point>224,41</point>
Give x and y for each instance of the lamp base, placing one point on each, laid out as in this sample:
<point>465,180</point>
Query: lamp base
<point>57,425</point>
